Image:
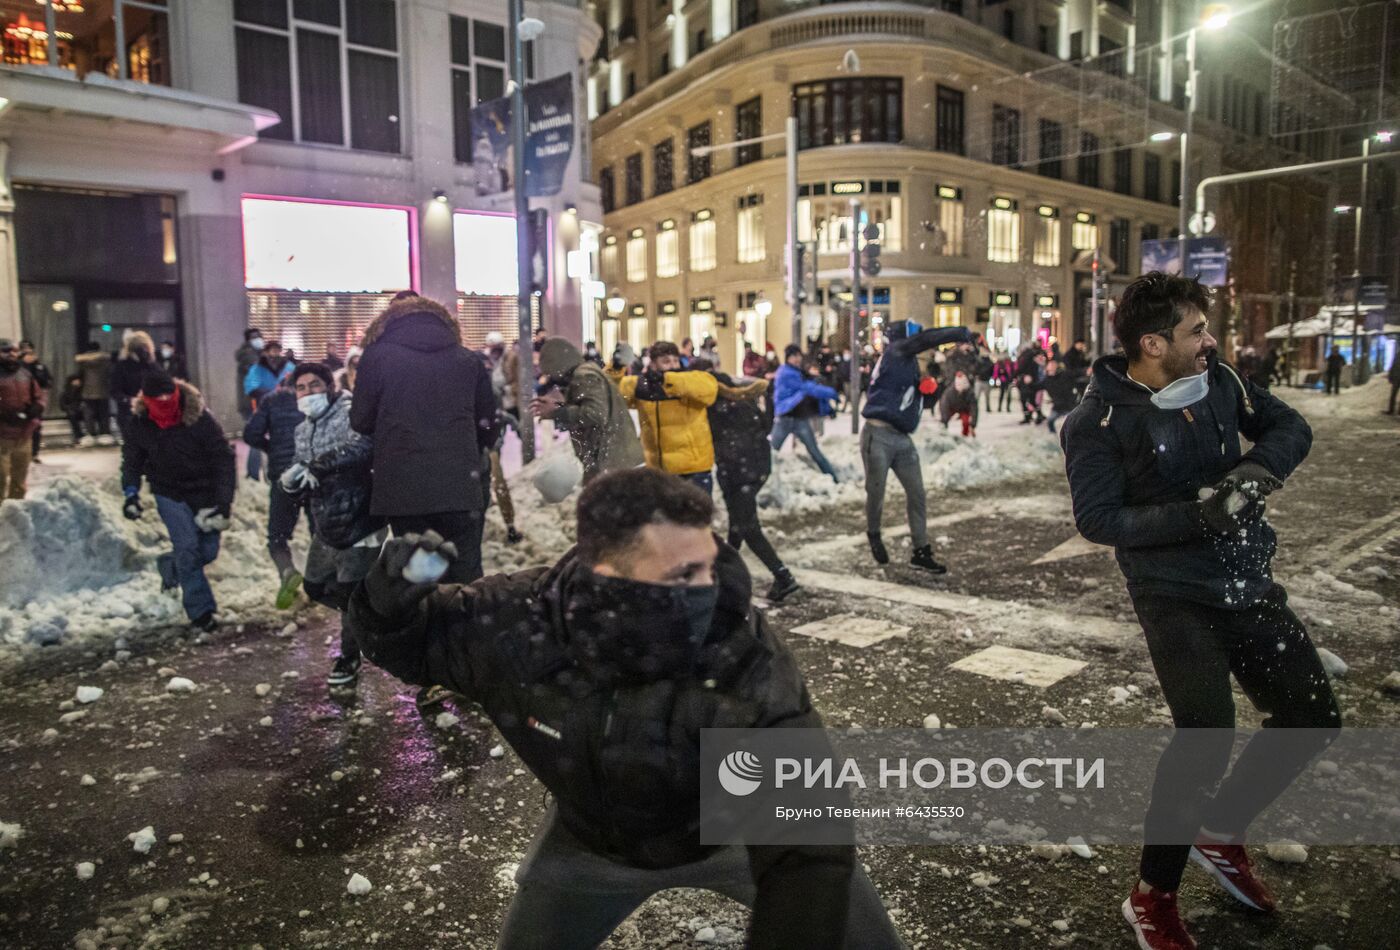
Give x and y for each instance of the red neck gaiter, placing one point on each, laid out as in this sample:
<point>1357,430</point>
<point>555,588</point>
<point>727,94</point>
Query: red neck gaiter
<point>164,410</point>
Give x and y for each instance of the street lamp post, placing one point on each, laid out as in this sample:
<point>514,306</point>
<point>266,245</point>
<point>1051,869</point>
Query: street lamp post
<point>854,383</point>
<point>519,26</point>
<point>1213,17</point>
<point>1360,355</point>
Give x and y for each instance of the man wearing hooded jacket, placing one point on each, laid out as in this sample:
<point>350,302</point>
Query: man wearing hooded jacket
<point>180,450</point>
<point>891,414</point>
<point>1155,469</point>
<point>425,401</point>
<point>600,672</point>
<point>576,395</point>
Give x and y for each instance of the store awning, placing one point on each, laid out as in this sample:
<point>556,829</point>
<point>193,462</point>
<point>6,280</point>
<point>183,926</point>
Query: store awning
<point>28,93</point>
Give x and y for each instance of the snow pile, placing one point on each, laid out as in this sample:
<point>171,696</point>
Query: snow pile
<point>76,571</point>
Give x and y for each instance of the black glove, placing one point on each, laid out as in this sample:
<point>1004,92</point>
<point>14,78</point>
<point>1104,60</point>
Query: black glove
<point>1231,508</point>
<point>1252,473</point>
<point>131,508</point>
<point>651,386</point>
<point>389,592</point>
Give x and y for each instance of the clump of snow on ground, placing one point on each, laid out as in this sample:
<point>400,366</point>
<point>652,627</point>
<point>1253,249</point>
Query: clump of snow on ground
<point>10,833</point>
<point>77,572</point>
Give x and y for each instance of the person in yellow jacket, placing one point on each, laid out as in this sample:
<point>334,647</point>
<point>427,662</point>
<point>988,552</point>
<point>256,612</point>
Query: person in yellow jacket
<point>672,406</point>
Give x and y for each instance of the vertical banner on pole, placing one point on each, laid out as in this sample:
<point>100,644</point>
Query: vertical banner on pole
<point>549,140</point>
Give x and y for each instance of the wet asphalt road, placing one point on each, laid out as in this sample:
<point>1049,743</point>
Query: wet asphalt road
<point>274,800</point>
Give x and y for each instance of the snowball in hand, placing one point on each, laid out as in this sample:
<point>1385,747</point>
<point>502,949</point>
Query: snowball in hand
<point>425,567</point>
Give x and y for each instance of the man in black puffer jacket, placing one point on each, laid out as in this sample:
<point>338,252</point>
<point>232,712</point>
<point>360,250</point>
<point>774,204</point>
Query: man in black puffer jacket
<point>331,473</point>
<point>743,462</point>
<point>426,401</point>
<point>600,672</point>
<point>1155,469</point>
<point>177,446</point>
<point>272,430</point>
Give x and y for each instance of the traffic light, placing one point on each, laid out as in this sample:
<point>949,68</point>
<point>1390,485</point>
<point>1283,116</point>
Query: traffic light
<point>870,253</point>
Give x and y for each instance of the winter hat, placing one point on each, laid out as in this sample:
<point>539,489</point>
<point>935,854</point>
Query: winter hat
<point>558,476</point>
<point>251,332</point>
<point>157,383</point>
<point>791,350</point>
<point>320,370</point>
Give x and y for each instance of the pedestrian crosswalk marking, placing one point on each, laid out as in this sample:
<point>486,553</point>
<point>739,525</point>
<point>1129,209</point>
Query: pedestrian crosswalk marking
<point>1019,666</point>
<point>851,630</point>
<point>1076,546</point>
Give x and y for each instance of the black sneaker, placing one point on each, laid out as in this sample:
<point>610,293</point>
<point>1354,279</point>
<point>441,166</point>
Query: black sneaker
<point>784,584</point>
<point>205,623</point>
<point>345,672</point>
<point>923,557</point>
<point>513,536</point>
<point>877,548</point>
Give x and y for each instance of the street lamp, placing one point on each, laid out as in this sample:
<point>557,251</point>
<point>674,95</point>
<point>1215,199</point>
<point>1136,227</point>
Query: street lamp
<point>1163,136</point>
<point>523,29</point>
<point>763,306</point>
<point>1214,17</point>
<point>1360,357</point>
<point>616,304</point>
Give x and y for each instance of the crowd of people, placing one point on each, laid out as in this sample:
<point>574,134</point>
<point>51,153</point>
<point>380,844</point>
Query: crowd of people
<point>600,669</point>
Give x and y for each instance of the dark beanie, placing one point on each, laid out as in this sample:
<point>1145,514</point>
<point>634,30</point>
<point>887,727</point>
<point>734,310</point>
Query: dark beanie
<point>320,370</point>
<point>157,383</point>
<point>791,350</point>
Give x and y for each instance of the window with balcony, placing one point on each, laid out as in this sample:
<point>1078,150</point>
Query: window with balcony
<point>1151,177</point>
<point>668,249</point>
<point>1088,159</point>
<point>607,190</point>
<point>341,58</point>
<point>950,135</point>
<point>479,69</point>
<point>663,160</point>
<point>849,111</point>
<point>122,39</point>
<point>697,167</point>
<point>702,241</point>
<point>636,256</point>
<point>750,229</point>
<point>1003,231</point>
<point>947,236</point>
<point>1006,135</point>
<point>1084,235</point>
<point>748,124</point>
<point>1045,247</point>
<point>824,214</point>
<point>633,175</point>
<point>1052,148</point>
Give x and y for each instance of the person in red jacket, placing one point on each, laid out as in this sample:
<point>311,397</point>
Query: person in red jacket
<point>22,404</point>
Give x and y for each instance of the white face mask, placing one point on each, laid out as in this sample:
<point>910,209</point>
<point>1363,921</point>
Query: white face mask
<point>257,343</point>
<point>313,405</point>
<point>1183,392</point>
<point>167,352</point>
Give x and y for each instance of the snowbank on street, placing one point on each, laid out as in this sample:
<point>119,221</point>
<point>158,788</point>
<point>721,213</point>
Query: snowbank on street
<point>76,572</point>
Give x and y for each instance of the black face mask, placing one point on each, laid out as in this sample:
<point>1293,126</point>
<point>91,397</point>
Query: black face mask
<point>641,631</point>
<point>9,361</point>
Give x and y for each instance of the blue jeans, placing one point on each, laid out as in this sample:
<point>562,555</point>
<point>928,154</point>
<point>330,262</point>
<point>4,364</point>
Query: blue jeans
<point>254,465</point>
<point>702,480</point>
<point>193,550</point>
<point>785,426</point>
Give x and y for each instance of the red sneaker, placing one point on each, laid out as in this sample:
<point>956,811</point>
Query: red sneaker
<point>1156,921</point>
<point>1229,865</point>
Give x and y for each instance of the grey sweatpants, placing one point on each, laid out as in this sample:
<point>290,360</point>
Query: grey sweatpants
<point>570,898</point>
<point>881,449</point>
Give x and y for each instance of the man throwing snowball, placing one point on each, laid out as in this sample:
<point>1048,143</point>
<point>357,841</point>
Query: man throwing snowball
<point>600,672</point>
<point>1155,468</point>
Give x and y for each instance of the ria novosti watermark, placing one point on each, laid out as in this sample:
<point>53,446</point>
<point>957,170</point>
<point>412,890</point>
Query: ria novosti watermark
<point>1003,786</point>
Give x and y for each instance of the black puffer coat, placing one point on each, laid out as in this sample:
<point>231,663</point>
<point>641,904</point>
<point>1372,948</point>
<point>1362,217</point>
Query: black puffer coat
<point>743,455</point>
<point>621,756</point>
<point>190,462</point>
<point>339,458</point>
<point>273,429</point>
<point>426,402</point>
<point>1136,471</point>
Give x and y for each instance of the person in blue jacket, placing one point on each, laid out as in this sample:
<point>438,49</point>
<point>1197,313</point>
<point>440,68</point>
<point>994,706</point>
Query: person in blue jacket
<point>796,400</point>
<point>267,373</point>
<point>891,415</point>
